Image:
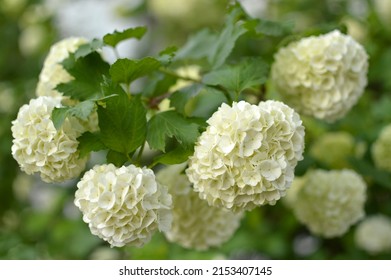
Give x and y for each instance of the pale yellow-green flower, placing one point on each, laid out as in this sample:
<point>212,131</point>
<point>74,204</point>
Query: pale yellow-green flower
<point>196,225</point>
<point>39,148</point>
<point>53,73</point>
<point>247,155</point>
<point>373,234</point>
<point>334,149</point>
<point>123,206</point>
<point>381,149</point>
<point>329,202</point>
<point>322,76</point>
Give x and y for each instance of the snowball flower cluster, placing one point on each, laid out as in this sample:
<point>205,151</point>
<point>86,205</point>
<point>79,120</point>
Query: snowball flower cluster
<point>247,155</point>
<point>329,202</point>
<point>123,205</point>
<point>196,225</point>
<point>334,149</point>
<point>39,147</point>
<point>53,73</point>
<point>381,149</point>
<point>321,76</point>
<point>374,234</point>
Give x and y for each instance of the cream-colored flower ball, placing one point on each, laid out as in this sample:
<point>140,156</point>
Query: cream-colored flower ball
<point>39,148</point>
<point>53,73</point>
<point>196,225</point>
<point>321,76</point>
<point>123,206</point>
<point>329,202</point>
<point>334,149</point>
<point>247,155</point>
<point>374,234</point>
<point>381,149</point>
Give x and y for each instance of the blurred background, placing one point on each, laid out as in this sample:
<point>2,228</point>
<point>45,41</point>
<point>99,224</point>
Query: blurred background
<point>39,221</point>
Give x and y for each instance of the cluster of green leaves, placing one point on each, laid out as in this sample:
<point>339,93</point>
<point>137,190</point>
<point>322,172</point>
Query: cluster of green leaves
<point>128,120</point>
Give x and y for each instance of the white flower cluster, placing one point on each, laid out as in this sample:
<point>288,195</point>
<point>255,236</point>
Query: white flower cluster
<point>334,149</point>
<point>329,202</point>
<point>196,225</point>
<point>39,147</point>
<point>321,76</point>
<point>247,155</point>
<point>123,205</point>
<point>374,234</point>
<point>381,149</point>
<point>53,73</point>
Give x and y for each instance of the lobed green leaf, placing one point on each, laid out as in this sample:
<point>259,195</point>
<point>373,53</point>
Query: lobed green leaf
<point>123,123</point>
<point>127,70</point>
<point>113,39</point>
<point>170,124</point>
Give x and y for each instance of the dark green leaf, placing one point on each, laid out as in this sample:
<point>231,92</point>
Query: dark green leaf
<point>127,70</point>
<point>108,87</point>
<point>171,124</point>
<point>112,39</point>
<point>123,123</point>
<point>89,142</point>
<point>87,72</point>
<point>81,110</point>
<point>118,159</point>
<point>175,156</point>
<point>249,73</point>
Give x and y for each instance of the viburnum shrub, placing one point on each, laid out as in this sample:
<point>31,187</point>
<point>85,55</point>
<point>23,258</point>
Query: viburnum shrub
<point>203,106</point>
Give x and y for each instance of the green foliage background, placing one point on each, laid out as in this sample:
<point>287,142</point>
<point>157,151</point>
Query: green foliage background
<point>37,220</point>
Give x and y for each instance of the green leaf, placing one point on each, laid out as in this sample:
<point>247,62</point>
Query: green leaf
<point>180,98</point>
<point>198,46</point>
<point>108,87</point>
<point>270,28</point>
<point>127,70</point>
<point>249,73</point>
<point>176,156</point>
<point>205,103</point>
<point>158,85</point>
<point>118,159</point>
<point>81,110</point>
<point>58,116</point>
<point>88,48</point>
<point>112,39</point>
<point>381,177</point>
<point>226,41</point>
<point>89,142</point>
<point>87,72</point>
<point>123,123</point>
<point>167,55</point>
<point>170,124</point>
